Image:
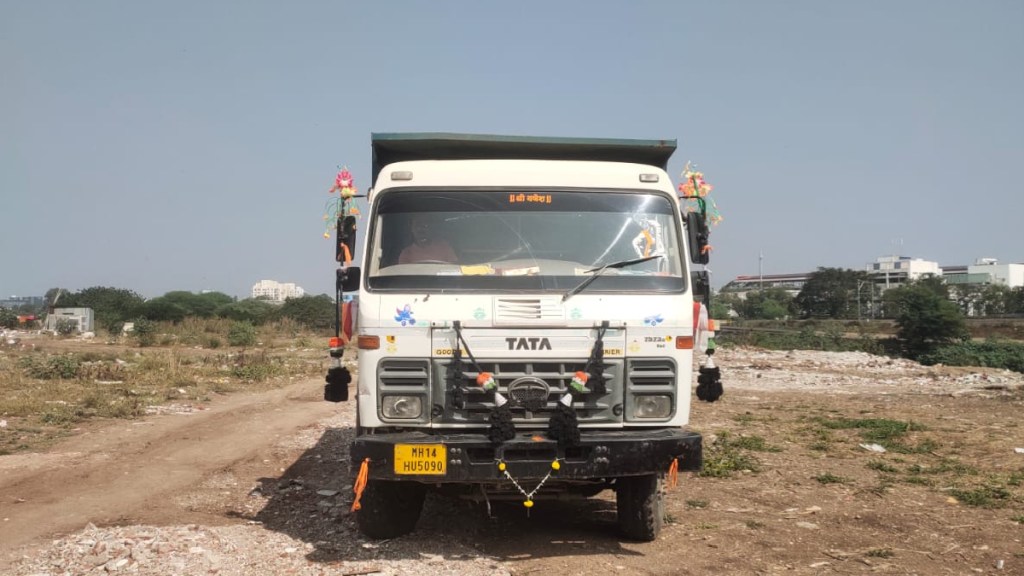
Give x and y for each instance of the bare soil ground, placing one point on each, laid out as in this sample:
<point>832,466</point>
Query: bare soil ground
<point>260,483</point>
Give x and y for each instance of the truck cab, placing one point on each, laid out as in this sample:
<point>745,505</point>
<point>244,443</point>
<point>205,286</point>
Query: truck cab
<point>524,326</point>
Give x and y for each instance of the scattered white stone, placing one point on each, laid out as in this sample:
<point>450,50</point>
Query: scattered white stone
<point>327,493</point>
<point>874,448</point>
<point>1019,450</point>
<point>807,525</point>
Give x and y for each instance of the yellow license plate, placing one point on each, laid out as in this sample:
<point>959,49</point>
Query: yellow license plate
<point>421,459</point>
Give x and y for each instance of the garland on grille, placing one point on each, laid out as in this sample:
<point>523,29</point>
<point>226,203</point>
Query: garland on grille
<point>503,467</point>
<point>564,424</point>
<point>709,380</point>
<point>595,364</point>
<point>502,428</point>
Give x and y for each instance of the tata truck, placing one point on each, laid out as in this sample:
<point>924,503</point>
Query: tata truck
<point>545,351</point>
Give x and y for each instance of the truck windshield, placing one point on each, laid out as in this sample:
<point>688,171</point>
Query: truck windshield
<point>524,240</point>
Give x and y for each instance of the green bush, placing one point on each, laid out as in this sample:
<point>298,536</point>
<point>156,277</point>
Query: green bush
<point>256,368</point>
<point>242,334</point>
<point>926,320</point>
<point>63,367</point>
<point>8,319</point>
<point>1006,355</point>
<point>144,332</point>
<point>65,326</point>
<point>807,337</point>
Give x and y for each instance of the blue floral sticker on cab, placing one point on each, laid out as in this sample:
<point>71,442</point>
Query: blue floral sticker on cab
<point>654,320</point>
<point>404,316</point>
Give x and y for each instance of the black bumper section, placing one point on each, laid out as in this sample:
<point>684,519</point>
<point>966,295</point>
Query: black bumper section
<point>472,457</point>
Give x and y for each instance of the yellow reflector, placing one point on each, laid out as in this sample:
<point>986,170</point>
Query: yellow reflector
<point>684,342</point>
<point>367,342</point>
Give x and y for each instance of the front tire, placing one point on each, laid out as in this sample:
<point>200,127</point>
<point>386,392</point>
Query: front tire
<point>640,507</point>
<point>389,508</point>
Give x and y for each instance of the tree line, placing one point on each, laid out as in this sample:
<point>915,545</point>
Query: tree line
<point>112,307</point>
<point>929,314</point>
<point>854,295</point>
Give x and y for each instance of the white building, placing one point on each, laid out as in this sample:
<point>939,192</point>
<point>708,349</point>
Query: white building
<point>889,270</point>
<point>80,318</point>
<point>276,291</point>
<point>1009,275</point>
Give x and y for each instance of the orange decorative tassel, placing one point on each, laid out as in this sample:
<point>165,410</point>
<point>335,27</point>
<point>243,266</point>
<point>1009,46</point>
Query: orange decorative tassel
<point>360,485</point>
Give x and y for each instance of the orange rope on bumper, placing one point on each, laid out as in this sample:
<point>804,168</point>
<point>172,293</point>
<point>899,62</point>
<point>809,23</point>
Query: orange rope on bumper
<point>673,473</point>
<point>360,485</point>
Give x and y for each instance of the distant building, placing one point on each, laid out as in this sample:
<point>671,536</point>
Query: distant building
<point>81,317</point>
<point>15,302</point>
<point>791,283</point>
<point>889,271</point>
<point>985,271</point>
<point>276,291</point>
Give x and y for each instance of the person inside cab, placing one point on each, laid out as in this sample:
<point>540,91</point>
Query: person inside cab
<point>426,245</point>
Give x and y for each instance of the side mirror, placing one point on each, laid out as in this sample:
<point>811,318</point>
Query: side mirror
<point>701,287</point>
<point>697,233</point>
<point>346,247</point>
<point>348,279</point>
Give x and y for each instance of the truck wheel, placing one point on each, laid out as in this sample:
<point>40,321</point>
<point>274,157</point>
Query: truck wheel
<point>390,509</point>
<point>640,506</point>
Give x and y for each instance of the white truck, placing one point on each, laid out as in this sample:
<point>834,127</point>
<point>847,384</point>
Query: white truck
<point>524,325</point>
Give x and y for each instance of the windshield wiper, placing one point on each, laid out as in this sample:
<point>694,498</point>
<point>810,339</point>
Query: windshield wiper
<point>600,270</point>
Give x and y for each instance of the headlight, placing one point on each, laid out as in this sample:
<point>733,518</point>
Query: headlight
<point>402,407</point>
<point>652,406</point>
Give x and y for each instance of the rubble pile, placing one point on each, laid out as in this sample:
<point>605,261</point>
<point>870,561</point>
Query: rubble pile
<point>854,373</point>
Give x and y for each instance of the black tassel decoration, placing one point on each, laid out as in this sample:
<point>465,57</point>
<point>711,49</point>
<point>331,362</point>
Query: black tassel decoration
<point>338,379</point>
<point>564,426</point>
<point>502,428</point>
<point>709,384</point>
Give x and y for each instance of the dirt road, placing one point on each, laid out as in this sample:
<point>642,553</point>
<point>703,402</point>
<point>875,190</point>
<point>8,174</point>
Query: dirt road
<point>131,471</point>
<point>259,484</point>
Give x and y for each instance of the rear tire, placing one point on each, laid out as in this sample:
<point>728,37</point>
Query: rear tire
<point>640,507</point>
<point>390,509</point>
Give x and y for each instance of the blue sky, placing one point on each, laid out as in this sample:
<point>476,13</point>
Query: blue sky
<point>190,145</point>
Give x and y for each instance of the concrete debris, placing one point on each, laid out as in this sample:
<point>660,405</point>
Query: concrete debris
<point>855,372</point>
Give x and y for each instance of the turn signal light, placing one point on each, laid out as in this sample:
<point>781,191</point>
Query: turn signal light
<point>684,342</point>
<point>368,342</point>
<point>334,342</point>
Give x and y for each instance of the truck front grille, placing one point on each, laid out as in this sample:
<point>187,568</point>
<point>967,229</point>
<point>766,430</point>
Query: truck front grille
<point>474,406</point>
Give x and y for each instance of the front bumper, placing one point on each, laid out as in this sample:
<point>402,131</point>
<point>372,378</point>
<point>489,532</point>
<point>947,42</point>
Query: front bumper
<point>601,454</point>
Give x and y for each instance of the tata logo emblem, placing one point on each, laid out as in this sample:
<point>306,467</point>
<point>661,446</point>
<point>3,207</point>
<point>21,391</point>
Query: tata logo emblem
<point>529,392</point>
<point>528,343</point>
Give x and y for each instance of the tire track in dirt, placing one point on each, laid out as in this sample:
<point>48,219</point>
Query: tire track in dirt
<point>131,469</point>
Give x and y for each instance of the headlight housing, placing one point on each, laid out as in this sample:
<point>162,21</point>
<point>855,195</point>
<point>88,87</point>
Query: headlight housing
<point>401,407</point>
<point>652,406</point>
